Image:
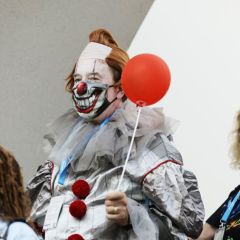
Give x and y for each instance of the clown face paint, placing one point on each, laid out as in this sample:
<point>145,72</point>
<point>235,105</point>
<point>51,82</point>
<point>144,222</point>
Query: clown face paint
<point>92,90</point>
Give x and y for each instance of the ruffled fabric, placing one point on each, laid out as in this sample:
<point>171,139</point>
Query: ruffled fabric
<point>39,190</point>
<point>174,192</point>
<point>141,222</point>
<point>76,138</point>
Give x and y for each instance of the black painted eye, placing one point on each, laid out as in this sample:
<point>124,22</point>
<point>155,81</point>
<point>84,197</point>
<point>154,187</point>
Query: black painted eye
<point>94,79</point>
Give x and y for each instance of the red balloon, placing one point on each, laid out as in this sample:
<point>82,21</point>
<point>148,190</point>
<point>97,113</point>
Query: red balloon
<point>145,79</point>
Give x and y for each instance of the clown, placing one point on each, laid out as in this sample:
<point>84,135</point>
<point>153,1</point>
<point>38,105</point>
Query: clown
<point>74,192</point>
<point>94,89</point>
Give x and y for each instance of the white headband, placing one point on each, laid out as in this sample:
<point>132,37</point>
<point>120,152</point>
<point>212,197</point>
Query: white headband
<point>96,51</point>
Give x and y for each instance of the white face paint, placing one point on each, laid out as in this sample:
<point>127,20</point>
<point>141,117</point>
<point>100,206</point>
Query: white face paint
<point>91,91</point>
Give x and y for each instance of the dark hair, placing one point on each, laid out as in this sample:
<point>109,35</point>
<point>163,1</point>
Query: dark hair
<point>14,201</point>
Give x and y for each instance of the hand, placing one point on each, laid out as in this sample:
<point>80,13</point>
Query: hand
<point>116,207</point>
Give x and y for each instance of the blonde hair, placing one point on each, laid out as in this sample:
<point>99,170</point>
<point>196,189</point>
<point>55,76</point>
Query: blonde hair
<point>235,147</point>
<point>116,59</point>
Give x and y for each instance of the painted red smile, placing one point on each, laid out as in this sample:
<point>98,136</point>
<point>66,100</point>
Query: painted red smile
<point>86,105</point>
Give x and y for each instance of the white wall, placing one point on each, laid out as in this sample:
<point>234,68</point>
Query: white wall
<point>200,42</point>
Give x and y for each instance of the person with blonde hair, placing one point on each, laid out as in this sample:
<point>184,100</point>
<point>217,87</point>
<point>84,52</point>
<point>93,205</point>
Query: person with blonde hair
<point>75,192</point>
<point>14,203</point>
<point>224,223</point>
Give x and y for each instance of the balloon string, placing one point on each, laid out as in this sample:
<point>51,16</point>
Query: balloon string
<point>130,148</point>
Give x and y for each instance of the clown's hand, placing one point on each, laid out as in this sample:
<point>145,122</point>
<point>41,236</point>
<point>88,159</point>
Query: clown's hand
<point>116,207</point>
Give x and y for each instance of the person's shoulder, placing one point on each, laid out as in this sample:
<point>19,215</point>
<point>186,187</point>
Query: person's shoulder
<point>235,191</point>
<point>17,222</point>
<point>21,229</point>
<point>237,188</point>
<point>3,227</point>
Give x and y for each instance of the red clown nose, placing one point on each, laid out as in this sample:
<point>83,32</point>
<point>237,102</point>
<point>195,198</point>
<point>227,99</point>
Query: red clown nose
<point>81,88</point>
<point>78,209</point>
<point>81,188</point>
<point>75,237</point>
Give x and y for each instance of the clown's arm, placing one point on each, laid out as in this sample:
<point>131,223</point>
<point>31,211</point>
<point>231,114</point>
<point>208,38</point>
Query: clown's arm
<point>39,190</point>
<point>174,193</point>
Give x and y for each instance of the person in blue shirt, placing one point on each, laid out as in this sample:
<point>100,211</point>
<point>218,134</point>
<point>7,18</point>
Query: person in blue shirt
<point>231,229</point>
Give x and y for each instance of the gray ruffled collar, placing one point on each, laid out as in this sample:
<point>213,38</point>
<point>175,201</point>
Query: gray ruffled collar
<point>70,135</point>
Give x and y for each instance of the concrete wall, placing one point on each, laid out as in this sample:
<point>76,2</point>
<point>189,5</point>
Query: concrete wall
<point>39,43</point>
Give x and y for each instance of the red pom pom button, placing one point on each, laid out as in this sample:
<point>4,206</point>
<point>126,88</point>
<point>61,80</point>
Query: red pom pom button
<point>81,188</point>
<point>75,237</point>
<point>77,209</point>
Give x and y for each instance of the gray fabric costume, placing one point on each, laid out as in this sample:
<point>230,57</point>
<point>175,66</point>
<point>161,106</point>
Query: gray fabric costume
<point>155,182</point>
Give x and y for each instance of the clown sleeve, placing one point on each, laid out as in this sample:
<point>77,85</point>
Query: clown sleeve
<point>39,190</point>
<point>174,193</point>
